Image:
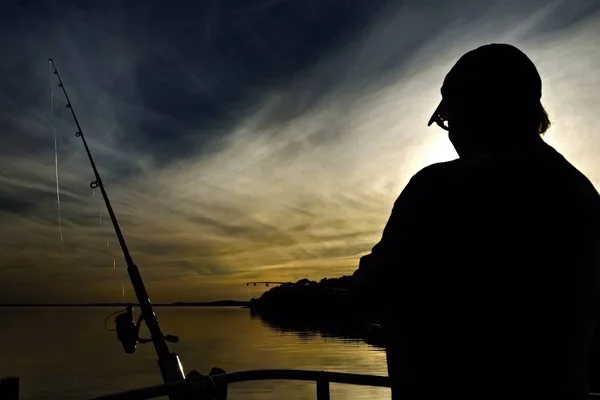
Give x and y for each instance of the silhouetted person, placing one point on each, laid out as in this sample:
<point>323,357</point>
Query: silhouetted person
<point>488,268</point>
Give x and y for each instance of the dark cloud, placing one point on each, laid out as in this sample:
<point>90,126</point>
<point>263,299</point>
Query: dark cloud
<point>170,68</point>
<point>227,56</point>
<point>17,205</point>
<point>173,78</point>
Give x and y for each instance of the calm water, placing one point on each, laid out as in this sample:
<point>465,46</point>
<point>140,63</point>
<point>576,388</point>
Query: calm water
<point>67,354</point>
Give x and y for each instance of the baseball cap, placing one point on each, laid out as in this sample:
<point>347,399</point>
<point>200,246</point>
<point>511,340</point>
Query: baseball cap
<point>496,72</point>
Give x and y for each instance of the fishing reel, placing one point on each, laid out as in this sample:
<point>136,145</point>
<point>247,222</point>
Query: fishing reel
<point>128,330</point>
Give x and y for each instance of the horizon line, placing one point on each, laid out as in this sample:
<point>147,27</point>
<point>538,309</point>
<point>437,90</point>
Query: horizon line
<point>108,304</point>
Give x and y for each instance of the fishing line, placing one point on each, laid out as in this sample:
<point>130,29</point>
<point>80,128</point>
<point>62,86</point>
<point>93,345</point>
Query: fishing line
<point>120,281</point>
<point>251,302</point>
<point>107,246</point>
<point>110,315</point>
<point>170,366</point>
<point>55,157</point>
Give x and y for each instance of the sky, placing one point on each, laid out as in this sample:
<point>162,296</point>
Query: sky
<point>244,140</point>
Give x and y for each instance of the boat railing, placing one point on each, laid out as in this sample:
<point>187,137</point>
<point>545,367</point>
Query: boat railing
<point>214,386</point>
<point>217,384</point>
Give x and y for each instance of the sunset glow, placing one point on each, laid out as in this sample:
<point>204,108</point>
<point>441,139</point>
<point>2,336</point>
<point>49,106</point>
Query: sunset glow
<point>298,185</point>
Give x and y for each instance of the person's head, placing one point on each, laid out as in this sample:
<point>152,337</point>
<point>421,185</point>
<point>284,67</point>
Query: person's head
<point>491,101</point>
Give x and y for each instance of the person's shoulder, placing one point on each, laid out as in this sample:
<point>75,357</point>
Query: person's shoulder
<point>431,181</point>
<point>573,174</point>
<point>438,172</point>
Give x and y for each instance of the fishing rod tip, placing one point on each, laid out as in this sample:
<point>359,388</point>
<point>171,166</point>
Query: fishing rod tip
<point>50,60</point>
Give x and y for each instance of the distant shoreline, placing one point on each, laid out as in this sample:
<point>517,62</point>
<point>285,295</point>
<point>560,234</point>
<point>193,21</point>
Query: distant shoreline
<point>220,303</point>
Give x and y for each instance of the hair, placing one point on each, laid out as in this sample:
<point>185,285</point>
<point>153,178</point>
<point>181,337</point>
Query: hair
<point>542,119</point>
<point>525,117</point>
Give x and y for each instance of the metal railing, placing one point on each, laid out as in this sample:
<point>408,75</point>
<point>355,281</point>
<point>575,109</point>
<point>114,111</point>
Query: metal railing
<point>214,386</point>
<point>218,383</point>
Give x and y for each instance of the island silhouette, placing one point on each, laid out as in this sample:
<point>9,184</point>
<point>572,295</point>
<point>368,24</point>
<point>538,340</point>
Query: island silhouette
<point>325,307</point>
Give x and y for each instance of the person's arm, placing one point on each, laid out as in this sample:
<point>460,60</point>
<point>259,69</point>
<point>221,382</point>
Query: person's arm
<point>381,269</point>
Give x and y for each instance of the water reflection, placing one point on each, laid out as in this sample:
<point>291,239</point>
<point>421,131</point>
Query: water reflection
<point>348,332</point>
<point>67,354</point>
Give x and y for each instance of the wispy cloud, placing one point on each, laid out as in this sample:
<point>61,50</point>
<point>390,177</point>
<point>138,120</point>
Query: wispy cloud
<point>294,176</point>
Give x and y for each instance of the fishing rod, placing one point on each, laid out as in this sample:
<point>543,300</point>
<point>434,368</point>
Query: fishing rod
<point>127,330</point>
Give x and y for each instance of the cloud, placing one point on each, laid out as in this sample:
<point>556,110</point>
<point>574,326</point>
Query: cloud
<point>234,156</point>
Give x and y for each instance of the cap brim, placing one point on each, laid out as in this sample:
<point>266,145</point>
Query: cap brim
<point>435,114</point>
